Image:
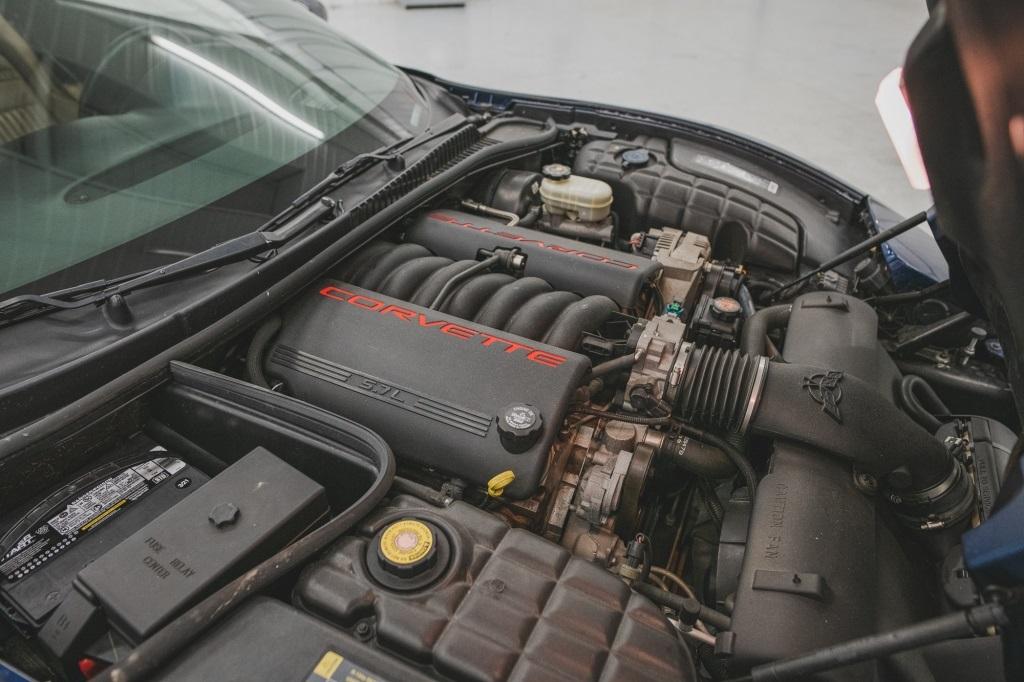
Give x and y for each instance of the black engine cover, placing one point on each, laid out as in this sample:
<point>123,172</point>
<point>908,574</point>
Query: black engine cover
<point>433,385</point>
<point>565,263</point>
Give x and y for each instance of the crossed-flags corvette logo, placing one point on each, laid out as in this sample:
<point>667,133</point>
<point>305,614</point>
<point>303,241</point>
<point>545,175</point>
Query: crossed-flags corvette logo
<point>825,390</point>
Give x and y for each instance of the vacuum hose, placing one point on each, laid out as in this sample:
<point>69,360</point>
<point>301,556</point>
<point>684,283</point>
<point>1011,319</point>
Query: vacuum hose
<point>832,412</point>
<point>922,403</point>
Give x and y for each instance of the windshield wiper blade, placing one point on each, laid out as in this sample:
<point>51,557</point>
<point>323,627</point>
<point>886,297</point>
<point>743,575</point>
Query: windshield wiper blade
<point>232,251</point>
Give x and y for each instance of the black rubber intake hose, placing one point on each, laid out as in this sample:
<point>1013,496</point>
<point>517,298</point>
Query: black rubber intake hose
<point>756,328</point>
<point>699,457</point>
<point>830,412</point>
<point>720,388</point>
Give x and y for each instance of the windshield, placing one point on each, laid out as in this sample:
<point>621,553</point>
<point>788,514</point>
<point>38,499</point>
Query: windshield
<point>135,133</point>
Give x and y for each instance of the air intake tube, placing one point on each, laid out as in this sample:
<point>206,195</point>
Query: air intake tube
<point>832,412</point>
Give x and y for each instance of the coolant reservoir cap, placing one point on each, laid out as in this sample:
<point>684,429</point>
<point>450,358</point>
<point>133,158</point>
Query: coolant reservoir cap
<point>519,426</point>
<point>407,548</point>
<point>725,308</point>
<point>556,171</point>
<point>635,158</point>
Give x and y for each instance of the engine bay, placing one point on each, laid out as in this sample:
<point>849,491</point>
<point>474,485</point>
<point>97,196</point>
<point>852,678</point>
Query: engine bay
<point>635,439</point>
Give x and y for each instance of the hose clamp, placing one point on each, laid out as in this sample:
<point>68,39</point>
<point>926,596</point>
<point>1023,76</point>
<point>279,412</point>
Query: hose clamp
<point>945,504</point>
<point>756,388</point>
<point>678,371</point>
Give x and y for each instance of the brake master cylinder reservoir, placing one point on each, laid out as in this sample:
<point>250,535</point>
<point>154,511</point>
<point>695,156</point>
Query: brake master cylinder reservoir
<point>583,199</point>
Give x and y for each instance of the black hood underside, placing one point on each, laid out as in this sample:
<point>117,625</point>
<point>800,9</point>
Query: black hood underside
<point>964,78</point>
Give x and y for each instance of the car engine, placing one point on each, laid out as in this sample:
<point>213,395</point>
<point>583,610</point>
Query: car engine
<point>631,444</point>
<point>529,349</point>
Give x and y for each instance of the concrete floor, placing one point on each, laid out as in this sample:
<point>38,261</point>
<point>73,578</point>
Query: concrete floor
<point>798,74</point>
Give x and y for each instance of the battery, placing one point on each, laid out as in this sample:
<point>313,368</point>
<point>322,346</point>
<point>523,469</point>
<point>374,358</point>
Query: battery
<point>43,551</point>
<point>253,508</point>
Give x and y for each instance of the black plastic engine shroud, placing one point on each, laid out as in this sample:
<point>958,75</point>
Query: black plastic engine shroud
<point>432,384</point>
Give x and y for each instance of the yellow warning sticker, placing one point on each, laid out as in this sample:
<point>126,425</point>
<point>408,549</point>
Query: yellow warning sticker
<point>333,667</point>
<point>328,664</point>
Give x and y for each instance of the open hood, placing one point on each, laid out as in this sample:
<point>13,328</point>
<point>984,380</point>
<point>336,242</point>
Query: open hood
<point>964,79</point>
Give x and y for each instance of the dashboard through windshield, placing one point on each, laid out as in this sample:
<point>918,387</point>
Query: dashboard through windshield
<point>133,134</point>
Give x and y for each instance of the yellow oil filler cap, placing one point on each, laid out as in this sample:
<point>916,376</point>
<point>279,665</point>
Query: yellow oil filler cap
<point>407,548</point>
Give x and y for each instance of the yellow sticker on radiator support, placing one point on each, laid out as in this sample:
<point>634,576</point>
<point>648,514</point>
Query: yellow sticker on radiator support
<point>333,667</point>
<point>328,664</point>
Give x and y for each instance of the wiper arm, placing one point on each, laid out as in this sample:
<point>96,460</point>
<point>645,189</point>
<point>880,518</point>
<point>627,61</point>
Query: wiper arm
<point>232,251</point>
<point>392,154</point>
<point>389,153</point>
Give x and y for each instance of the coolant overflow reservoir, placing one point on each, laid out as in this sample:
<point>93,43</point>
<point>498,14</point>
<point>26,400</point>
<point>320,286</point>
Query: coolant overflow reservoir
<point>583,199</point>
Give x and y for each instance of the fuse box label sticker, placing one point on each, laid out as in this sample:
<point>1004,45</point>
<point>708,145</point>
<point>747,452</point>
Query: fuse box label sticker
<point>84,513</point>
<point>334,667</point>
<point>746,176</point>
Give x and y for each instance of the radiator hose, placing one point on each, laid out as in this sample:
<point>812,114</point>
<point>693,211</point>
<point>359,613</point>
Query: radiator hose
<point>831,412</point>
